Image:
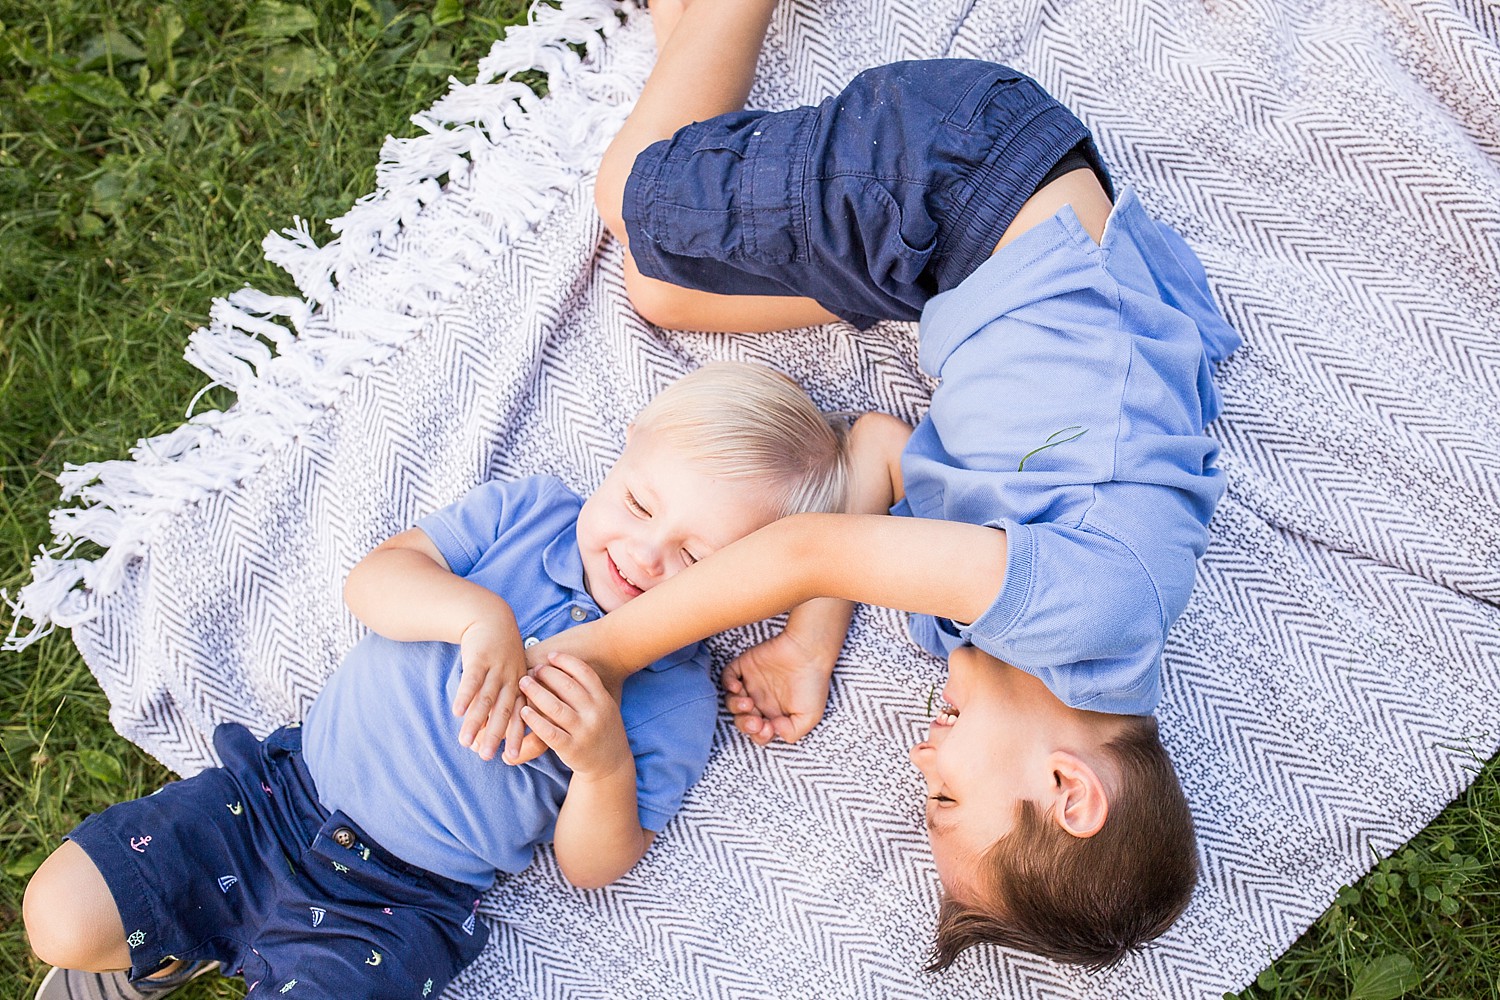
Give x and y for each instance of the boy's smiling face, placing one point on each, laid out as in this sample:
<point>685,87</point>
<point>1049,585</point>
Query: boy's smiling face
<point>1004,738</point>
<point>656,513</point>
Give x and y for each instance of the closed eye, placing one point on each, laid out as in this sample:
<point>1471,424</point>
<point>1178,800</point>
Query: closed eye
<point>635,505</point>
<point>688,558</point>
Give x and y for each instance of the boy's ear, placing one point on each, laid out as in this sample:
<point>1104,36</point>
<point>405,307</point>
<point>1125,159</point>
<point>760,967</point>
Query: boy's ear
<point>1081,802</point>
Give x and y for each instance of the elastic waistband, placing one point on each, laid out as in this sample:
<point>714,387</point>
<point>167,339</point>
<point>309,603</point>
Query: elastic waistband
<point>1009,175</point>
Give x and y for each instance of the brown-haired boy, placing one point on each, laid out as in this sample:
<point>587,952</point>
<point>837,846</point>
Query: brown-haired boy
<point>1058,491</point>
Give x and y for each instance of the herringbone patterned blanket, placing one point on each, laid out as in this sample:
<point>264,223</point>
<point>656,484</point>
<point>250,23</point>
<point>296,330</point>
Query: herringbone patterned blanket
<point>1327,691</point>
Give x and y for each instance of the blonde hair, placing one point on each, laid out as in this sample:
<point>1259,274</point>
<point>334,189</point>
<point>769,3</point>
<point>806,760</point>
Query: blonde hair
<point>745,421</point>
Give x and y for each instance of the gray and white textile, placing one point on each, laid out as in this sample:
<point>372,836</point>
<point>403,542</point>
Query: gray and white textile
<point>1334,678</point>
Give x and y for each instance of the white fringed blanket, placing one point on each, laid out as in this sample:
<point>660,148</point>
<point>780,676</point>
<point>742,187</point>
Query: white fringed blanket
<point>1336,166</point>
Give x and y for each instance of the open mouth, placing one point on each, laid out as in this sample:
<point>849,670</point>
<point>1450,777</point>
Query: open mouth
<point>624,582</point>
<point>940,709</point>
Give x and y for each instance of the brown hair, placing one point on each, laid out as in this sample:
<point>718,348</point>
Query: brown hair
<point>1085,900</point>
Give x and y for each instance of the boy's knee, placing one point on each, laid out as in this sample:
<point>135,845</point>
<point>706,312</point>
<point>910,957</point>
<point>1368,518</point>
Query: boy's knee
<point>70,916</point>
<point>609,185</point>
<point>609,194</point>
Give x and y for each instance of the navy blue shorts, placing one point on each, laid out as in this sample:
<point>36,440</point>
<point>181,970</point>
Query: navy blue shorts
<point>241,864</point>
<point>870,203</point>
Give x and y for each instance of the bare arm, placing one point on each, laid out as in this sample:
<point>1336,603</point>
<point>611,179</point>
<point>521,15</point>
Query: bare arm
<point>404,590</point>
<point>943,568</point>
<point>598,836</point>
<point>779,688</point>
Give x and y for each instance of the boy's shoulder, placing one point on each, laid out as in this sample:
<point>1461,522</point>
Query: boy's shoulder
<point>510,501</point>
<point>532,512</point>
<point>527,488</point>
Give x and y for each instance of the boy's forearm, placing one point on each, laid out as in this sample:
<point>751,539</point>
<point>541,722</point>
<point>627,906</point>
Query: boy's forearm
<point>821,624</point>
<point>599,836</point>
<point>402,594</point>
<point>943,568</point>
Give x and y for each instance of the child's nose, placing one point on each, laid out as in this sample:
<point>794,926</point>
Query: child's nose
<point>648,558</point>
<point>919,753</point>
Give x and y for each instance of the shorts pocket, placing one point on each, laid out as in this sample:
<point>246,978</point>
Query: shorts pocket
<point>1006,89</point>
<point>911,234</point>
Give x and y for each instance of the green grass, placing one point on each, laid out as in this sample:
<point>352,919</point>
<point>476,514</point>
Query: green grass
<point>145,149</point>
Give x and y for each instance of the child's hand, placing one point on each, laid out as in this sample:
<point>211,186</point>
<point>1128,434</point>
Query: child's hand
<point>522,746</point>
<point>778,688</point>
<point>570,710</point>
<point>588,642</point>
<point>493,663</point>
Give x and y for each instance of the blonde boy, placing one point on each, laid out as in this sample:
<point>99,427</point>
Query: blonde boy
<point>345,858</point>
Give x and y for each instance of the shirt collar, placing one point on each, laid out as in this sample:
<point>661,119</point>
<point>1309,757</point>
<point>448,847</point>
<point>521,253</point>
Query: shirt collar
<point>563,563</point>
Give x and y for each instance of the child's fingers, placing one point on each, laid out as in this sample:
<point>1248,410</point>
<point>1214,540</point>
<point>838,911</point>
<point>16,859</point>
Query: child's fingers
<point>568,688</point>
<point>531,746</point>
<point>758,729</point>
<point>478,712</point>
<point>578,671</point>
<point>548,731</point>
<point>468,685</point>
<point>761,736</point>
<point>515,733</point>
<point>741,705</point>
<point>487,743</point>
<point>545,700</point>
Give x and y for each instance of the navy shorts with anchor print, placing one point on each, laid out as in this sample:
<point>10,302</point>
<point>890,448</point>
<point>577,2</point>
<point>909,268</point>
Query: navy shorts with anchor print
<point>241,864</point>
<point>885,194</point>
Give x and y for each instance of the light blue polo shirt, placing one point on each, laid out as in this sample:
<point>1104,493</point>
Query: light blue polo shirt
<point>381,741</point>
<point>1091,365</point>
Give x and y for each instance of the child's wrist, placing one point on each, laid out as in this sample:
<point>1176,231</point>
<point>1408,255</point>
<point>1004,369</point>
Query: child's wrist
<point>820,628</point>
<point>619,769</point>
<point>492,612</point>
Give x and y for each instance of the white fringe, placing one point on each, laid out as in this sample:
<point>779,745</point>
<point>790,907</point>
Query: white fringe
<point>287,359</point>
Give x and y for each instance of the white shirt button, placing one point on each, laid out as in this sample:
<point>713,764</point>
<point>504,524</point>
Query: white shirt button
<point>578,613</point>
<point>530,641</point>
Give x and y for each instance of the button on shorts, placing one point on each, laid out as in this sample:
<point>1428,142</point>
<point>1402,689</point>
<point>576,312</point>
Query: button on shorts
<point>241,864</point>
<point>872,202</point>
